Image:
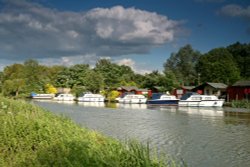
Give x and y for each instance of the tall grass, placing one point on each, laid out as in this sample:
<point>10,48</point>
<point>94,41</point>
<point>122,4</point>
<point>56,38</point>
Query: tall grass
<point>31,136</point>
<point>241,104</point>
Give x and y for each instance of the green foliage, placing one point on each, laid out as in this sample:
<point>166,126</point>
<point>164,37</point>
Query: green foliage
<point>31,136</point>
<point>218,66</point>
<point>164,81</point>
<point>182,65</point>
<point>13,87</point>
<point>94,81</point>
<point>241,55</point>
<point>113,74</point>
<point>241,104</point>
<point>112,95</point>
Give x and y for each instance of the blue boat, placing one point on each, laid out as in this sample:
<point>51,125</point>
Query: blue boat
<point>163,99</point>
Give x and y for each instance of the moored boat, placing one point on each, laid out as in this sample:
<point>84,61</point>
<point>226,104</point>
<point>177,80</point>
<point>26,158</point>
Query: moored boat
<point>64,97</point>
<point>163,99</point>
<point>192,99</point>
<point>133,99</point>
<point>89,97</point>
<point>42,96</point>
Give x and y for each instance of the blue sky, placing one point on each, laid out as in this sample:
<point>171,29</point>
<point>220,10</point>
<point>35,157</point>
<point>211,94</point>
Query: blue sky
<point>138,33</point>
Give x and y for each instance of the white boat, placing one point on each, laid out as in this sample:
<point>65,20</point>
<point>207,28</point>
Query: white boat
<point>163,99</point>
<point>64,97</point>
<point>133,99</point>
<point>192,99</point>
<point>42,96</point>
<point>89,97</point>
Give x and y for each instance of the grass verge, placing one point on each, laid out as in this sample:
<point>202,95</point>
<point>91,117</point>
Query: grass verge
<point>31,136</point>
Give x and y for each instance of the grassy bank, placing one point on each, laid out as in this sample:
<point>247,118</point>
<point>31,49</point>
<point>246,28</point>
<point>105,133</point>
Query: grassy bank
<point>31,136</point>
<point>240,104</point>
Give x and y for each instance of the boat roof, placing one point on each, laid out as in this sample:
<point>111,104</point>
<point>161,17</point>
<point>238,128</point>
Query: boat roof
<point>188,94</point>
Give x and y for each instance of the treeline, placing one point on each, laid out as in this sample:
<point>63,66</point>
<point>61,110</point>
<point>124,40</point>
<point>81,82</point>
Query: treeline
<point>186,67</point>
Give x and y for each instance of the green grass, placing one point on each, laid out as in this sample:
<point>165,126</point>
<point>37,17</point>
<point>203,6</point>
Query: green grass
<point>241,104</point>
<point>31,136</point>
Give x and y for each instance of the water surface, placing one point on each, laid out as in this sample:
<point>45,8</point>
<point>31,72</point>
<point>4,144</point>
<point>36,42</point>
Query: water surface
<point>202,137</point>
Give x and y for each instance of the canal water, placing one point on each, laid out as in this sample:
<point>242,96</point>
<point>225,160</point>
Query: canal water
<point>201,137</point>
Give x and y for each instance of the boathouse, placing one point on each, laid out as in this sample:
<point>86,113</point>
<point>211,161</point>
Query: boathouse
<point>182,90</point>
<point>239,91</point>
<point>132,90</point>
<point>210,88</point>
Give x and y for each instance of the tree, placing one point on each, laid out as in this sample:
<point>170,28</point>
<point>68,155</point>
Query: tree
<point>13,87</point>
<point>218,66</point>
<point>160,80</point>
<point>182,65</point>
<point>50,89</point>
<point>35,76</point>
<point>94,81</point>
<point>241,55</point>
<point>110,72</point>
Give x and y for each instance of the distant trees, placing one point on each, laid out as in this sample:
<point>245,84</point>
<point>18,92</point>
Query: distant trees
<point>218,66</point>
<point>225,65</point>
<point>182,65</point>
<point>241,55</point>
<point>185,67</point>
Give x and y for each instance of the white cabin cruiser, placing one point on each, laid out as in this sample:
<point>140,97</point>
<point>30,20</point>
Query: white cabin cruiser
<point>192,99</point>
<point>133,99</point>
<point>64,97</point>
<point>89,97</point>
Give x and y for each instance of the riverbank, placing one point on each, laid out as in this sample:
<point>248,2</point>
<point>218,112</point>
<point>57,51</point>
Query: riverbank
<point>31,136</point>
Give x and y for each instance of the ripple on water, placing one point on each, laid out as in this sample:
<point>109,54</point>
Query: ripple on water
<point>200,136</point>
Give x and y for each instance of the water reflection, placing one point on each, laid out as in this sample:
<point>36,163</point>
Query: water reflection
<point>91,104</point>
<point>131,106</point>
<point>213,112</point>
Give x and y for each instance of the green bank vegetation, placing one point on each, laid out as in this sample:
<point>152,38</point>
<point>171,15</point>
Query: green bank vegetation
<point>240,104</point>
<point>31,136</point>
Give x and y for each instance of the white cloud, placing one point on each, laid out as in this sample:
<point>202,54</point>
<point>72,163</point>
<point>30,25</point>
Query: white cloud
<point>233,10</point>
<point>30,30</point>
<point>138,68</point>
<point>126,62</point>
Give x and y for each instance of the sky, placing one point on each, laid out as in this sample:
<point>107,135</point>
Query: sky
<point>139,33</point>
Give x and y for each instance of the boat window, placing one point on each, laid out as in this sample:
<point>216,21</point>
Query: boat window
<point>195,98</point>
<point>208,98</point>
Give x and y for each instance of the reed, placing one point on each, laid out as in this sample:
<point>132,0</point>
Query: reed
<point>31,136</point>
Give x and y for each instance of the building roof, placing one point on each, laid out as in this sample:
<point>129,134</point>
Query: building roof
<point>217,85</point>
<point>242,83</point>
<point>188,87</point>
<point>214,85</point>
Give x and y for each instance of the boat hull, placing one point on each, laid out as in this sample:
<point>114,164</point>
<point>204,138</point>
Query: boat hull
<point>162,102</point>
<point>82,99</point>
<point>203,103</point>
<point>133,101</point>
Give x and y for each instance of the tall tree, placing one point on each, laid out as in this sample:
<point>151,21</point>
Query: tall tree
<point>35,76</point>
<point>111,73</point>
<point>182,65</point>
<point>241,55</point>
<point>94,81</point>
<point>218,66</point>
